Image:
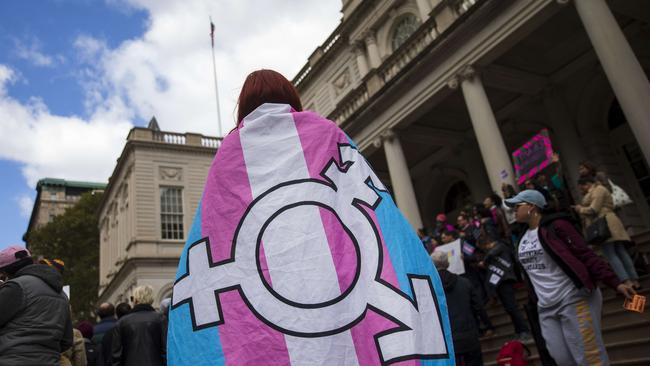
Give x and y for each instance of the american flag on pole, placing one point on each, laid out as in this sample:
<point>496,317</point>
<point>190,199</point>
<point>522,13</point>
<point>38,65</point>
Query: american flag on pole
<point>212,32</point>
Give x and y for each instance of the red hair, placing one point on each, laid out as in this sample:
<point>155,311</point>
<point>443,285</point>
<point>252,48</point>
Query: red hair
<point>266,86</point>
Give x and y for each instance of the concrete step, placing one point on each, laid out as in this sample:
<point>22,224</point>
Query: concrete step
<point>616,334</point>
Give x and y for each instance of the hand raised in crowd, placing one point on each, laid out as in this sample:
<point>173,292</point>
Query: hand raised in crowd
<point>626,290</point>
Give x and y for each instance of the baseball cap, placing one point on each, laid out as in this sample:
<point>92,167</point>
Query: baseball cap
<point>528,196</point>
<point>13,254</point>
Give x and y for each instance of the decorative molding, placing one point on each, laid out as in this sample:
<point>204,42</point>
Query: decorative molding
<point>465,73</point>
<point>170,173</point>
<point>342,82</point>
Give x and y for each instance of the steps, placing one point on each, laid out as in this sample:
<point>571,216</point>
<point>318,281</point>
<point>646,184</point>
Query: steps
<point>626,334</point>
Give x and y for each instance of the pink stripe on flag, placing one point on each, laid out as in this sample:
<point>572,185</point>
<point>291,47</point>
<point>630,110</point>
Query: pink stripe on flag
<point>309,125</point>
<point>231,195</point>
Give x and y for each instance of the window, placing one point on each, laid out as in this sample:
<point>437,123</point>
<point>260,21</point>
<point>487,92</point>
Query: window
<point>171,212</point>
<point>53,196</point>
<point>406,25</point>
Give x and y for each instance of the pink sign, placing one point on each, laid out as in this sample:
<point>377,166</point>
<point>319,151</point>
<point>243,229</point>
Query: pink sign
<point>531,158</point>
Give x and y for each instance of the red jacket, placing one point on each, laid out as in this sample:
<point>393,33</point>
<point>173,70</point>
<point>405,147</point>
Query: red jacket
<point>566,246</point>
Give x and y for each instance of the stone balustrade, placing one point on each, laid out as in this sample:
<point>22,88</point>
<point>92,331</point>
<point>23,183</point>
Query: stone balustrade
<point>187,139</point>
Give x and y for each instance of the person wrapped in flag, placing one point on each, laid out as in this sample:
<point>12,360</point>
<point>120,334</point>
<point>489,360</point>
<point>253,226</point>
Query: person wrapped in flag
<point>298,254</point>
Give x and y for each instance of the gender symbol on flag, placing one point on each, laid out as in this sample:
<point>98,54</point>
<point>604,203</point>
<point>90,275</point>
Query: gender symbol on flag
<point>419,332</point>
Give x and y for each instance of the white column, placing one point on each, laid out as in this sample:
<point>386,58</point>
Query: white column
<point>361,59</point>
<point>373,51</point>
<point>493,149</point>
<point>400,179</point>
<point>424,6</point>
<point>568,141</point>
<point>621,66</point>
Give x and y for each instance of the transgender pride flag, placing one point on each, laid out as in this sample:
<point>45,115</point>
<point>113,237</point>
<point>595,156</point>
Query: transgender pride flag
<point>298,256</point>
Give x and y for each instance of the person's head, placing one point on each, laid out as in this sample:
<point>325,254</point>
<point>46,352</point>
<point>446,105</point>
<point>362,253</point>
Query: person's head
<point>508,190</point>
<point>422,233</point>
<point>587,168</point>
<point>56,263</point>
<point>143,295</point>
<point>105,310</point>
<point>266,86</point>
<point>440,260</point>
<point>447,237</point>
<point>542,180</point>
<point>12,259</point>
<point>529,183</point>
<point>122,309</point>
<point>585,183</point>
<point>86,329</point>
<point>527,205</point>
<point>462,221</point>
<point>441,218</point>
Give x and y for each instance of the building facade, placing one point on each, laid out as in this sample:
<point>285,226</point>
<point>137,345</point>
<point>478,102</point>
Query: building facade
<point>148,208</point>
<point>439,93</point>
<point>53,197</point>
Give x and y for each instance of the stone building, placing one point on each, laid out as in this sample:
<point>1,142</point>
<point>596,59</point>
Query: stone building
<point>439,93</point>
<point>53,197</point>
<point>148,208</point>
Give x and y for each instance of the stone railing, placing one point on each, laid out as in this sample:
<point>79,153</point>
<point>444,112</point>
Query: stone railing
<point>187,139</point>
<point>442,17</point>
<point>169,137</point>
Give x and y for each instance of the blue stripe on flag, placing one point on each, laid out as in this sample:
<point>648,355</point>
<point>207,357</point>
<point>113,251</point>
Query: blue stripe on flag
<point>184,345</point>
<point>408,256</point>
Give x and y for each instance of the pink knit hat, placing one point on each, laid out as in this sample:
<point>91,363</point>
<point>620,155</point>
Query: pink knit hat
<point>12,254</point>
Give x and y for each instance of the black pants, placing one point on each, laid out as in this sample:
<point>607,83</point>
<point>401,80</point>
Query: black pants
<point>474,358</point>
<point>506,293</point>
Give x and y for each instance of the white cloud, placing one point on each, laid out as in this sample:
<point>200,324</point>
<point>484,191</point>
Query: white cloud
<point>30,50</point>
<point>167,72</point>
<point>25,205</point>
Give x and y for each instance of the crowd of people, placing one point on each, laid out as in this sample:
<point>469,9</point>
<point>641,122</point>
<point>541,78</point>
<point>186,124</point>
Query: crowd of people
<point>36,326</point>
<point>537,239</point>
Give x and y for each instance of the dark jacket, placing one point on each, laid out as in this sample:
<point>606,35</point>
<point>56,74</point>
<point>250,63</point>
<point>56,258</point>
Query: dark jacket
<point>568,249</point>
<point>462,304</point>
<point>101,328</point>
<point>35,325</point>
<point>138,339</point>
<point>499,263</point>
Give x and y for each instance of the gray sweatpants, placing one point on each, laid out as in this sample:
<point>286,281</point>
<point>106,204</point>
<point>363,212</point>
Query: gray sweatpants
<point>572,330</point>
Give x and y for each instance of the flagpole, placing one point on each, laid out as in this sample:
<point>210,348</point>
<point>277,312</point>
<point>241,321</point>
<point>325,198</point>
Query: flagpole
<point>214,71</point>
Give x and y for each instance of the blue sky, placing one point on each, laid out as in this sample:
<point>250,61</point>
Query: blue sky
<point>76,75</point>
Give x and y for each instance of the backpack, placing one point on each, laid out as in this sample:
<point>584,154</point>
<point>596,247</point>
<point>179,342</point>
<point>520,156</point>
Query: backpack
<point>513,353</point>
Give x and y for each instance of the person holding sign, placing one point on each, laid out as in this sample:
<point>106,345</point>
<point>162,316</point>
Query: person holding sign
<point>562,272</point>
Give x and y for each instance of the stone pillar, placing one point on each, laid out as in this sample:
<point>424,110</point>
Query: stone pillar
<point>373,51</point>
<point>621,66</point>
<point>424,6</point>
<point>360,54</point>
<point>400,178</point>
<point>568,141</point>
<point>493,149</point>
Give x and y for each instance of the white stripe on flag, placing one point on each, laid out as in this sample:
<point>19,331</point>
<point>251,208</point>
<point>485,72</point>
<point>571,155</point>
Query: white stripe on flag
<point>295,244</point>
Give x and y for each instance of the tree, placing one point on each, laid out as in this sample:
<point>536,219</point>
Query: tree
<point>74,238</point>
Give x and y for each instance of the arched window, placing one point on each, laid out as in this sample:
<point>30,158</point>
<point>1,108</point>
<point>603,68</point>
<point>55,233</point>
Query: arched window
<point>405,26</point>
<point>457,197</point>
